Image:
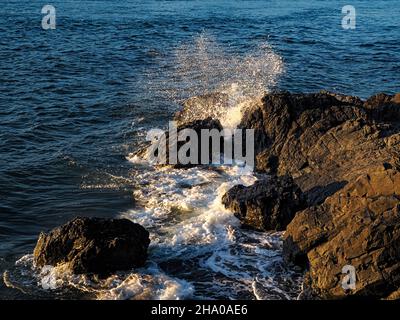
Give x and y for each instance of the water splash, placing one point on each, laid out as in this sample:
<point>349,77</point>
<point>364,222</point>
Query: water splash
<point>212,82</point>
<point>204,66</point>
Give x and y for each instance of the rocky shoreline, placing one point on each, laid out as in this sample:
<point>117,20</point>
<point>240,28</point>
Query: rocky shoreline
<point>344,154</point>
<point>329,169</point>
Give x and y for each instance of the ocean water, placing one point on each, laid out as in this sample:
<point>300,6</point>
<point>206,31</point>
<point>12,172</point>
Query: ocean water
<point>77,101</point>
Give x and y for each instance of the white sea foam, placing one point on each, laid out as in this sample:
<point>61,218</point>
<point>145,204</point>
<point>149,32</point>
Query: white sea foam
<point>203,66</point>
<point>192,234</point>
<point>198,249</point>
<point>145,283</point>
<point>190,227</point>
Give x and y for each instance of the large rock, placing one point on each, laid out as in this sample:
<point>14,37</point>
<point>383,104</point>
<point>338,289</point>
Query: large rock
<point>209,111</point>
<point>344,154</point>
<point>269,204</point>
<point>324,140</point>
<point>94,245</point>
<point>161,150</point>
<point>358,226</point>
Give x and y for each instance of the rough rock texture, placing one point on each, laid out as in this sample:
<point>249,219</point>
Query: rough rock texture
<point>324,140</point>
<point>344,154</point>
<point>268,204</point>
<point>94,245</point>
<point>211,105</point>
<point>196,125</point>
<point>358,226</point>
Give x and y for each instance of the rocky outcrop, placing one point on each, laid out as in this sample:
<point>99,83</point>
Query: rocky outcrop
<point>344,154</point>
<point>158,152</point>
<point>94,245</point>
<point>269,204</point>
<point>324,140</point>
<point>358,226</point>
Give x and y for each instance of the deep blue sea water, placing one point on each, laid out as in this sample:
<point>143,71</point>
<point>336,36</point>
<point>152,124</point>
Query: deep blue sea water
<point>75,101</point>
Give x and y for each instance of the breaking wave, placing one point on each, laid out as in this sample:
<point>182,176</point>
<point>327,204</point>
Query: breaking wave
<point>204,67</point>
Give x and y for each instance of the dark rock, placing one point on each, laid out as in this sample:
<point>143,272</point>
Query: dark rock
<point>94,245</point>
<point>197,126</point>
<point>357,226</point>
<point>200,124</point>
<point>268,204</point>
<point>323,140</point>
<point>199,112</point>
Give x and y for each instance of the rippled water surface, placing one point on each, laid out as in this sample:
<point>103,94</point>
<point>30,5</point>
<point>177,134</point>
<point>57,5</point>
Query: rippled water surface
<point>77,100</point>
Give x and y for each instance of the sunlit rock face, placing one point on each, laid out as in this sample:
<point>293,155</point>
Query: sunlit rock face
<point>359,226</point>
<point>324,140</point>
<point>344,154</point>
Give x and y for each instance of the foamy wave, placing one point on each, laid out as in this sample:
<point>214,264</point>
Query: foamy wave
<point>198,249</point>
<point>166,193</point>
<point>191,229</point>
<point>155,285</point>
<point>143,284</point>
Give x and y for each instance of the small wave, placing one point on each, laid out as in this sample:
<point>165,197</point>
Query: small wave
<point>143,284</point>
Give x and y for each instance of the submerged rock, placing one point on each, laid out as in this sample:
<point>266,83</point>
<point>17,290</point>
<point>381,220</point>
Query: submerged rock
<point>94,245</point>
<point>268,204</point>
<point>359,226</point>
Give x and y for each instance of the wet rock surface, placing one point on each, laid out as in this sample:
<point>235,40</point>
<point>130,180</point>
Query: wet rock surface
<point>269,204</point>
<point>158,153</point>
<point>94,245</point>
<point>324,140</point>
<point>344,154</point>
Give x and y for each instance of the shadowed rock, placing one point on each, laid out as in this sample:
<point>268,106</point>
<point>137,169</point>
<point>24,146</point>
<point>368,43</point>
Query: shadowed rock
<point>158,153</point>
<point>94,245</point>
<point>268,204</point>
